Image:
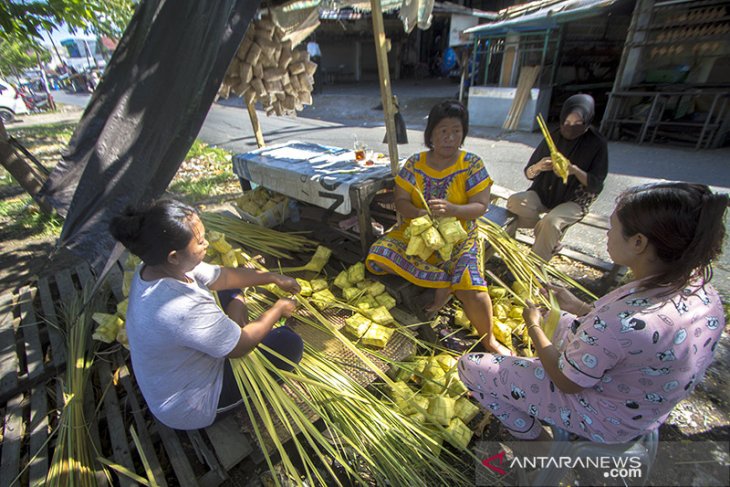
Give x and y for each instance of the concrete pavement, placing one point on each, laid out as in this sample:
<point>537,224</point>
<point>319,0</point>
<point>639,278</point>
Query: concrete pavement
<point>344,113</point>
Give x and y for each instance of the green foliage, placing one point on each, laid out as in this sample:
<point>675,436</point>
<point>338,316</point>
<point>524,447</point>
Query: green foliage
<point>49,133</point>
<point>26,20</point>
<point>19,55</point>
<point>193,190</point>
<point>22,217</point>
<point>206,172</point>
<point>212,154</point>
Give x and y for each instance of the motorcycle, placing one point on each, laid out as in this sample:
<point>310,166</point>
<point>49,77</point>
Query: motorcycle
<point>36,102</point>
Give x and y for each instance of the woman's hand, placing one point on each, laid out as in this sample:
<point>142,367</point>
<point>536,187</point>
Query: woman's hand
<point>531,314</point>
<point>440,208</point>
<point>566,300</point>
<point>286,307</point>
<point>286,283</point>
<point>544,164</point>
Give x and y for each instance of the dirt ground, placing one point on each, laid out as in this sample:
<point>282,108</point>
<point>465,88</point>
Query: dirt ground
<point>703,416</point>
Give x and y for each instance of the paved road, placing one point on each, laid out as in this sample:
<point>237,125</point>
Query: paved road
<point>345,113</point>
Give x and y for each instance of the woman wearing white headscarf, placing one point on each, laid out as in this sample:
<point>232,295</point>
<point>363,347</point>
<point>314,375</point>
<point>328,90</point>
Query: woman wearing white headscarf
<point>564,204</point>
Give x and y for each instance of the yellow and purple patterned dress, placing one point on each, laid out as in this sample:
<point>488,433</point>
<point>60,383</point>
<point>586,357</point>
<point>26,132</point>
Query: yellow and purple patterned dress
<point>457,184</point>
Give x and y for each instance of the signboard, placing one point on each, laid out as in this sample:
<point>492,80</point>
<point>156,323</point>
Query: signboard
<point>459,23</point>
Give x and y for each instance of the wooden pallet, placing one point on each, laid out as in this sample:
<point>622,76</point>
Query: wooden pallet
<point>32,363</point>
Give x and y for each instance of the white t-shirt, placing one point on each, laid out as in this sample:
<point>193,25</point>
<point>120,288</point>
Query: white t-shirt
<point>179,338</point>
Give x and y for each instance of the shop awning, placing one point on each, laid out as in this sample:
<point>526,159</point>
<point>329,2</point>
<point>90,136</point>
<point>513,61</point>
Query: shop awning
<point>547,17</point>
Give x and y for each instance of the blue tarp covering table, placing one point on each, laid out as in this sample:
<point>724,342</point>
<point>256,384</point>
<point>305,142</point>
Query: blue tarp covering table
<point>317,174</point>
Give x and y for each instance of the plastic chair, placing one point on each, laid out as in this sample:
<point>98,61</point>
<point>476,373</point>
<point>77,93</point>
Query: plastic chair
<point>644,447</point>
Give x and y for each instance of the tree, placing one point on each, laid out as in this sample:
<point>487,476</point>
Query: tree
<point>27,20</point>
<point>18,55</point>
<point>21,24</point>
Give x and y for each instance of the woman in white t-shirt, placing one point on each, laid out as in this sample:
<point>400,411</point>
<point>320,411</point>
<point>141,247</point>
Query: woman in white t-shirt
<point>179,338</point>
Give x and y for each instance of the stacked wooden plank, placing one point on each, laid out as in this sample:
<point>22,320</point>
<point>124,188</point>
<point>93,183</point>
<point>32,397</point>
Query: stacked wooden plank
<point>267,69</point>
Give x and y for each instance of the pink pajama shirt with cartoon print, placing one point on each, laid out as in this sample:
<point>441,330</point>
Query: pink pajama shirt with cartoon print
<point>637,354</point>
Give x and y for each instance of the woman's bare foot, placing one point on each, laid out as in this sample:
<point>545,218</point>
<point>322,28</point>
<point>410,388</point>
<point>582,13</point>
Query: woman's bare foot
<point>495,347</point>
<point>440,298</point>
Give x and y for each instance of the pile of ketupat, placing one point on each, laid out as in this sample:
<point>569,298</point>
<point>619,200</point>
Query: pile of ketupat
<point>428,389</point>
<point>426,236</point>
<point>260,200</point>
<point>111,326</point>
<point>372,323</point>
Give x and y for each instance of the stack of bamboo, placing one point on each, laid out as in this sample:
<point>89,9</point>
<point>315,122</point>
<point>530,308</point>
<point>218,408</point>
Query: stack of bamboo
<point>267,69</point>
<point>528,76</point>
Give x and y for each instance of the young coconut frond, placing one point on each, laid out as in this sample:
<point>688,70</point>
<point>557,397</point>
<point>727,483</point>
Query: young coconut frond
<point>73,459</point>
<point>255,237</point>
<point>560,162</point>
<point>526,267</point>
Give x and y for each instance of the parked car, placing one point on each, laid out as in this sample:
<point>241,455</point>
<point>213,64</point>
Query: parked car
<point>11,103</point>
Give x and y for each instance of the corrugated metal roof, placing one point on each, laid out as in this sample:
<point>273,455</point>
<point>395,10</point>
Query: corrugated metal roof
<point>547,17</point>
<point>454,8</point>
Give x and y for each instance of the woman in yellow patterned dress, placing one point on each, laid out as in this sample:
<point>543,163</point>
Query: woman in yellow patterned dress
<point>454,183</point>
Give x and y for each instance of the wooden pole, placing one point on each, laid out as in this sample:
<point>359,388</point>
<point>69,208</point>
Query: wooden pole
<point>381,50</point>
<point>51,103</point>
<point>29,178</point>
<point>255,124</point>
<point>464,69</point>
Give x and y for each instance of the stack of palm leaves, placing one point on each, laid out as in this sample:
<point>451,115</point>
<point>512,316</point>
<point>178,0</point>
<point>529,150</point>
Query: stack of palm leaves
<point>255,237</point>
<point>560,162</point>
<point>362,429</point>
<point>73,458</point>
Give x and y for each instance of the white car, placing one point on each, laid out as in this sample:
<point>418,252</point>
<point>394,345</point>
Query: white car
<point>11,103</point>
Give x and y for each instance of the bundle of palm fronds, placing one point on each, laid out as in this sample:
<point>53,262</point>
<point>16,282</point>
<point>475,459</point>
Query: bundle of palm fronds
<point>255,237</point>
<point>529,270</point>
<point>365,434</point>
<point>364,431</point>
<point>73,459</point>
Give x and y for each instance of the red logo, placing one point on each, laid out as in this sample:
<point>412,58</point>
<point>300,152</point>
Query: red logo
<point>487,462</point>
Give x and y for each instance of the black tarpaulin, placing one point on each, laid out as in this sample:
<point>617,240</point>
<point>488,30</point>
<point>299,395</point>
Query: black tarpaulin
<point>145,114</point>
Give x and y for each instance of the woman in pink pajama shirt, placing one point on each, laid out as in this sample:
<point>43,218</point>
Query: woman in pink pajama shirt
<point>615,369</point>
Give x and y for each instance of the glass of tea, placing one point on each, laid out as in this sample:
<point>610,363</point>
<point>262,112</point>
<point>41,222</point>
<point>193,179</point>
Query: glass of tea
<point>359,151</point>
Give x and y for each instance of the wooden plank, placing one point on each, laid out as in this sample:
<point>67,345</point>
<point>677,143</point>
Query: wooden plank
<point>58,343</point>
<point>598,221</point>
<point>12,436</point>
<point>86,278</point>
<point>572,254</point>
<point>114,422</point>
<point>29,327</point>
<point>386,95</point>
<point>38,425</point>
<point>8,353</point>
<point>176,455</point>
<point>205,453</point>
<point>231,445</point>
<point>255,124</point>
<point>115,277</point>
<point>139,420</point>
<point>66,287</point>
